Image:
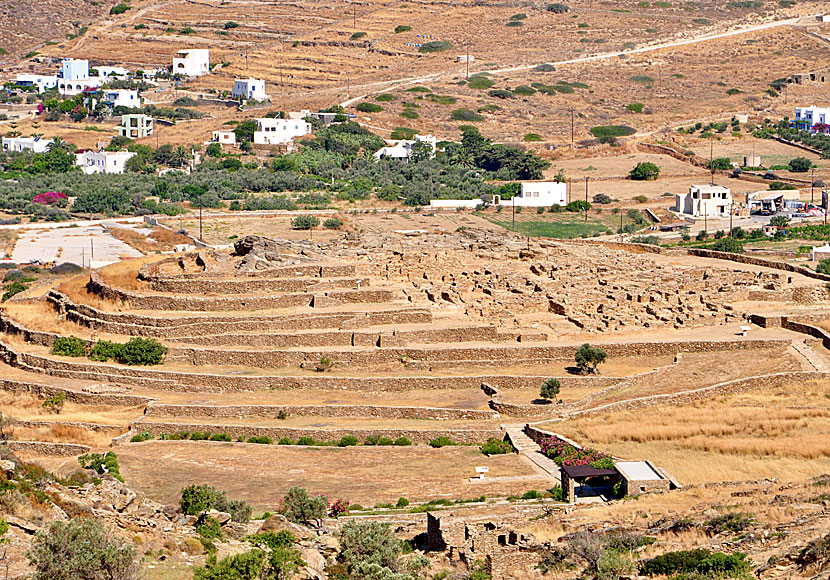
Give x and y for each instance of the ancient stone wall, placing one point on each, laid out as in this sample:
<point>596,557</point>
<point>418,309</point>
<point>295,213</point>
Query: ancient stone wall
<point>44,448</point>
<point>44,391</point>
<point>756,261</point>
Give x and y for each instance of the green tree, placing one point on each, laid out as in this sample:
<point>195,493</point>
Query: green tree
<point>81,549</point>
<point>180,156</point>
<point>800,165</point>
<point>728,244</point>
<point>214,150</point>
<point>298,506</point>
<point>779,221</point>
<point>588,357</point>
<point>550,389</point>
<point>721,164</point>
<point>245,130</point>
<point>823,267</point>
<point>644,171</point>
<point>305,222</point>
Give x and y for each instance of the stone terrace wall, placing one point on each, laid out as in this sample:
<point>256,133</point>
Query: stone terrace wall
<point>152,271</point>
<point>467,436</point>
<point>204,285</point>
<point>44,391</point>
<point>273,411</point>
<point>755,261</point>
<point>44,448</point>
<point>159,327</point>
<point>103,290</point>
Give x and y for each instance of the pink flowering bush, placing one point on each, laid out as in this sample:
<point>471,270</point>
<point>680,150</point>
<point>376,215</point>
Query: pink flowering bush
<point>565,454</point>
<point>338,507</point>
<point>51,198</point>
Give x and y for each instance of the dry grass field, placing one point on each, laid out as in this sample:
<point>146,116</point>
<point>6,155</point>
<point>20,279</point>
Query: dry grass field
<point>162,468</point>
<point>782,433</point>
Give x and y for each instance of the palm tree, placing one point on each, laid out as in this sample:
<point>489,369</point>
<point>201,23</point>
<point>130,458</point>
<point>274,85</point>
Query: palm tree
<point>57,143</point>
<point>180,156</point>
<point>462,158</point>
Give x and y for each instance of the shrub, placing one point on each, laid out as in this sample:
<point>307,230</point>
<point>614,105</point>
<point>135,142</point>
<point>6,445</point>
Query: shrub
<point>699,560</point>
<point>823,267</point>
<point>644,171</point>
<point>732,522</point>
<point>260,439</point>
<point>141,351</point>
<point>557,8</point>
<point>369,108</point>
<point>500,94</point>
<point>286,441</point>
<point>402,28</point>
<point>196,500</point>
<point>348,441</point>
<point>728,244</point>
<point>402,441</point>
<point>441,441</point>
<point>636,107</point>
<point>69,346</point>
<point>119,9</point>
<point>588,357</point>
<point>55,402</point>
<point>609,133</point>
<point>530,137</point>
<point>230,24</point>
<point>495,446</point>
<point>524,91</point>
<point>141,437</point>
<point>304,222</point>
<point>602,198</point>
<point>402,502</point>
<point>532,494</point>
<point>385,97</point>
<point>220,437</point>
<point>385,441</point>
<point>306,440</point>
<point>299,507</point>
<point>104,350</point>
<point>357,36</point>
<point>10,290</point>
<point>81,548</point>
<point>410,114</point>
<point>800,165</point>
<point>464,114</point>
<point>550,389</point>
<point>332,223</point>
<point>557,493</point>
<point>107,463</point>
<point>480,82</point>
<point>435,46</point>
<point>721,164</point>
<point>210,529</point>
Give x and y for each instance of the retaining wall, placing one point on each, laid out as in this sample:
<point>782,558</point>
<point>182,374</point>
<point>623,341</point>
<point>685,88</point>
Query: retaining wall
<point>44,448</point>
<point>204,285</point>
<point>45,391</point>
<point>469,436</point>
<point>755,261</point>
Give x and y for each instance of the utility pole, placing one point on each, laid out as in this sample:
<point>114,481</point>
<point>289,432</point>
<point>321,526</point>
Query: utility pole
<point>572,127</point>
<point>200,218</point>
<point>91,250</point>
<point>468,63</point>
<point>621,230</point>
<point>354,16</point>
<point>812,182</point>
<point>586,198</point>
<point>706,224</point>
<point>730,219</point>
<point>712,161</point>
<point>513,206</point>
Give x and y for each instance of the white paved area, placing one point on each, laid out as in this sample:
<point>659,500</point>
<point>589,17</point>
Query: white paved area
<point>87,246</point>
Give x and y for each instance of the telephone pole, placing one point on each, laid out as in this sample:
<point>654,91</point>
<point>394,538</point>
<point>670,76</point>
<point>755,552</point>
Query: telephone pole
<point>812,183</point>
<point>200,218</point>
<point>572,127</point>
<point>586,198</point>
<point>468,63</point>
<point>354,16</point>
<point>712,161</point>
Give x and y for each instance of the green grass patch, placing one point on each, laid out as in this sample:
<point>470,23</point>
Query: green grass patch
<point>558,229</point>
<point>385,97</point>
<point>357,36</point>
<point>418,90</point>
<point>403,133</point>
<point>409,114</point>
<point>435,46</point>
<point>402,28</point>
<point>480,82</point>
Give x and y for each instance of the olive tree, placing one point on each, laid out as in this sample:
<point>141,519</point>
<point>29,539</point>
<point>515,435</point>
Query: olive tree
<point>588,357</point>
<point>550,389</point>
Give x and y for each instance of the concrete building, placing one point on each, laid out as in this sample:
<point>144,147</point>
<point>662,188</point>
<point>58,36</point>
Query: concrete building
<point>249,89</point>
<point>136,126</point>
<point>772,200</point>
<point>279,131</point>
<point>42,82</point>
<point>121,98</point>
<point>540,194</point>
<point>112,71</point>
<point>704,200</point>
<point>193,62</point>
<point>224,137</point>
<point>102,161</point>
<point>812,118</point>
<point>74,69</point>
<point>34,144</point>
<point>403,149</point>
<point>642,477</point>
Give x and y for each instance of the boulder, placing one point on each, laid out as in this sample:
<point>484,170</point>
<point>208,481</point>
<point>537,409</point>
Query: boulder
<point>277,523</point>
<point>221,517</point>
<point>7,467</point>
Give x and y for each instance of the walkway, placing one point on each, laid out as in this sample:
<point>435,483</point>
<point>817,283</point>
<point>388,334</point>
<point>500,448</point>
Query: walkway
<point>815,358</point>
<point>526,446</point>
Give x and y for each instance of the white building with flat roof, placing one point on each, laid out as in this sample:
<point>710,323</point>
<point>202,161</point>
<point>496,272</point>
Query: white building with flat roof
<point>224,137</point>
<point>279,131</point>
<point>812,118</point>
<point>121,98</point>
<point>403,149</point>
<point>704,200</point>
<point>42,82</point>
<point>540,194</point>
<point>192,62</point>
<point>249,89</point>
<point>34,144</point>
<point>102,161</point>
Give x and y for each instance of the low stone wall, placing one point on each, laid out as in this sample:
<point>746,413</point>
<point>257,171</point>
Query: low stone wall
<point>44,448</point>
<point>808,329</point>
<point>464,436</point>
<point>273,411</point>
<point>103,290</point>
<point>152,271</point>
<point>96,427</point>
<point>249,286</point>
<point>755,261</point>
<point>81,398</point>
<point>13,328</point>
<point>160,327</point>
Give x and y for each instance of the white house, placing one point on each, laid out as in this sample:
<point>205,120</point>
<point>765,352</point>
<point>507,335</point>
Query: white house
<point>251,89</point>
<point>112,71</point>
<point>540,194</point>
<point>34,144</point>
<point>704,200</point>
<point>102,161</point>
<point>813,119</point>
<point>193,62</point>
<point>278,131</point>
<point>224,137</point>
<point>122,98</point>
<point>74,78</point>
<point>403,149</point>
<point>42,82</point>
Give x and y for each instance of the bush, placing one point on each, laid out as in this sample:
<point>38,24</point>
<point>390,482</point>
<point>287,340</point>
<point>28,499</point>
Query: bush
<point>260,439</point>
<point>699,560</point>
<point>369,108</point>
<point>557,8</point>
<point>644,171</point>
<point>636,107</point>
<point>332,223</point>
<point>10,290</point>
<point>197,500</point>
<point>611,131</point>
<point>210,529</point>
<point>81,548</point>
<point>306,440</point>
<point>442,441</point>
<point>532,494</point>
<point>728,245</point>
<point>304,222</point>
<point>402,502</point>
<point>495,446</point>
<point>107,463</point>
<point>141,437</point>
<point>385,441</point>
<point>357,36</point>
<point>480,82</point>
<point>550,389</point>
<point>141,351</point>
<point>299,507</point>
<point>602,198</point>
<point>104,350</point>
<point>721,164</point>
<point>69,346</point>
<point>402,28</point>
<point>348,441</point>
<point>500,94</point>
<point>467,115</point>
<point>435,46</point>
<point>119,9</point>
<point>732,522</point>
<point>640,198</point>
<point>220,437</point>
<point>55,402</point>
<point>823,267</point>
<point>402,441</point>
<point>800,165</point>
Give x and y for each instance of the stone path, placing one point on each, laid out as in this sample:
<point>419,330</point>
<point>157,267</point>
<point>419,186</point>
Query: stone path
<point>530,449</point>
<point>816,359</point>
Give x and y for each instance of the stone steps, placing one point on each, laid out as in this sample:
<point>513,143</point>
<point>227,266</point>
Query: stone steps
<point>530,449</point>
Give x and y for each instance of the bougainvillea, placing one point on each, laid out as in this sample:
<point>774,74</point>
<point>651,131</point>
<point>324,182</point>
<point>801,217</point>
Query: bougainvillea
<point>566,454</point>
<point>50,198</point>
<point>338,507</point>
